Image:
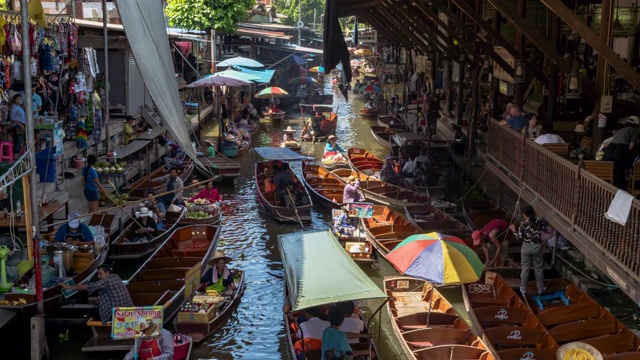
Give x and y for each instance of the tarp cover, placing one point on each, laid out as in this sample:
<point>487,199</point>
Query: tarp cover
<point>144,25</point>
<point>319,271</point>
<point>264,75</point>
<point>284,154</point>
<point>299,60</point>
<point>401,138</point>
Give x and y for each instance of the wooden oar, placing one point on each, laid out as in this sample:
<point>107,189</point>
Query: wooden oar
<point>295,209</point>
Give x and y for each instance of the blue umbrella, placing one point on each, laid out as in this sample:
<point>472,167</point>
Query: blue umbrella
<point>241,61</point>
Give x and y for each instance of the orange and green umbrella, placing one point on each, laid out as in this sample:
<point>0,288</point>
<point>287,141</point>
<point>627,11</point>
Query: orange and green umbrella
<point>271,92</point>
<point>437,258</point>
<point>317,69</point>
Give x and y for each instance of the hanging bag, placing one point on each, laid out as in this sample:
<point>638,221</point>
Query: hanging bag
<point>16,40</point>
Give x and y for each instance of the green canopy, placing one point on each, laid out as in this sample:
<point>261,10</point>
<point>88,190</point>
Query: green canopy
<point>319,271</point>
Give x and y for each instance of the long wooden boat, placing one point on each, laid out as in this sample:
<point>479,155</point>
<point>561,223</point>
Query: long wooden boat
<point>160,281</point>
<point>352,237</point>
<point>508,325</point>
<point>218,165</point>
<point>369,113</point>
<point>157,183</point>
<point>274,116</point>
<point>235,150</point>
<point>582,319</point>
<point>199,331</point>
<point>174,217</point>
<point>364,161</point>
<point>426,324</point>
<point>384,193</point>
<point>387,228</point>
<point>382,134</point>
<point>297,148</point>
<point>392,122</point>
<point>122,248</point>
<point>331,116</point>
<point>323,185</point>
<point>429,218</point>
<point>20,301</point>
<point>271,203</point>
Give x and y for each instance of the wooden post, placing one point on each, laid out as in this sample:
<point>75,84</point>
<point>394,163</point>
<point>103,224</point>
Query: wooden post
<point>553,74</point>
<point>519,86</point>
<point>460,95</point>
<point>597,133</point>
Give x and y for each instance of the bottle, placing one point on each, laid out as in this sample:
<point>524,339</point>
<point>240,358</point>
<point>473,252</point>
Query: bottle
<point>44,200</point>
<point>19,208</point>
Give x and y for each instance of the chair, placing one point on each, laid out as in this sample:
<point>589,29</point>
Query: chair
<point>559,149</point>
<point>634,188</point>
<point>6,151</point>
<point>601,169</point>
<point>585,145</point>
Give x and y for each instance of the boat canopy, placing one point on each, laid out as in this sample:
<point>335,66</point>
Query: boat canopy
<point>319,271</point>
<point>264,76</point>
<point>284,154</point>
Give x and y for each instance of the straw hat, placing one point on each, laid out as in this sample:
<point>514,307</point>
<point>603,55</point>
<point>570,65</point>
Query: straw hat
<point>208,141</point>
<point>144,212</point>
<point>578,351</point>
<point>332,137</point>
<point>219,255</point>
<point>289,129</point>
<point>351,179</point>
<point>230,137</point>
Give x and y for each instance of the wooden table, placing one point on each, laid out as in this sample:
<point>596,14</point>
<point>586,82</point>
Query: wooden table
<point>44,212</point>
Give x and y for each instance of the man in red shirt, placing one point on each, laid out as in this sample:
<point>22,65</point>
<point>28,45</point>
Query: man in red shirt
<point>493,238</point>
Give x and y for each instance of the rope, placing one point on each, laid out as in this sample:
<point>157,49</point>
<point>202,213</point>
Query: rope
<point>472,187</point>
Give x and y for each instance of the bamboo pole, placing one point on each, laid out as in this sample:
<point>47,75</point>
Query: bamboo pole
<point>28,216</point>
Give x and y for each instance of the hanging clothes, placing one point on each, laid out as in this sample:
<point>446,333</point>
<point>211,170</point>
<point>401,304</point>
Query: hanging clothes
<point>46,59</point>
<point>90,114</point>
<point>81,135</point>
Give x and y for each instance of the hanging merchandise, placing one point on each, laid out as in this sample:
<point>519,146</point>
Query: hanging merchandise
<point>15,42</point>
<point>90,113</point>
<point>97,120</point>
<point>46,59</point>
<point>81,135</point>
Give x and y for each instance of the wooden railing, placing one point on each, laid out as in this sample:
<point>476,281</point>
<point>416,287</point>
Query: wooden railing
<point>574,194</point>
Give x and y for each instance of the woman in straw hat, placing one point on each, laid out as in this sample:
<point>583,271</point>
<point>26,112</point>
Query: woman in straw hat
<point>578,351</point>
<point>350,193</point>
<point>219,277</point>
<point>288,135</point>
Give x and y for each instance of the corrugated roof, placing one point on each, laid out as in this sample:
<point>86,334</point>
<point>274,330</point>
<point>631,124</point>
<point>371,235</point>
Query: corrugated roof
<point>171,32</point>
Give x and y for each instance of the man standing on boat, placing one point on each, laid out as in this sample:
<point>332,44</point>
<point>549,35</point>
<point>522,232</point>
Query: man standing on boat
<point>493,239</point>
<point>111,292</point>
<point>532,248</point>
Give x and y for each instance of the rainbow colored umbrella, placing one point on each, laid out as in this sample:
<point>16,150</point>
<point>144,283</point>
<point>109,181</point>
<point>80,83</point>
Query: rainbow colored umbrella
<point>371,89</point>
<point>271,92</point>
<point>317,69</point>
<point>438,258</point>
<point>302,80</point>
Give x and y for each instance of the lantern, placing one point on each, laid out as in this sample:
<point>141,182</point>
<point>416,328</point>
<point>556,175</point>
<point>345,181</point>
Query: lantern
<point>518,70</point>
<point>574,85</point>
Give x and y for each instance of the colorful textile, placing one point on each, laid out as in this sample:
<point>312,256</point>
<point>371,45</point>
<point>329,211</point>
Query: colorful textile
<point>81,134</point>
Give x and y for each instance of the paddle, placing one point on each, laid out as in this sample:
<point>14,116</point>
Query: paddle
<point>295,209</point>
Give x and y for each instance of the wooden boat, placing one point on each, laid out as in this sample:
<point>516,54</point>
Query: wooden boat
<point>21,301</point>
<point>219,165</point>
<point>323,185</point>
<point>384,193</point>
<point>199,331</point>
<point>172,218</point>
<point>382,134</point>
<point>392,122</point>
<point>369,113</point>
<point>479,212</point>
<point>355,241</point>
<point>429,218</point>
<point>156,182</point>
<point>272,204</point>
<point>364,161</point>
<point>426,324</point>
<point>582,319</point>
<point>160,281</point>
<point>333,117</point>
<point>253,128</point>
<point>277,116</point>
<point>387,228</point>
<point>232,150</point>
<point>297,148</point>
<point>122,248</point>
<point>508,326</point>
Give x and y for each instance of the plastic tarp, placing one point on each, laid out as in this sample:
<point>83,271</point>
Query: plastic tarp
<point>264,75</point>
<point>319,271</point>
<point>284,154</point>
<point>144,25</point>
<point>299,60</point>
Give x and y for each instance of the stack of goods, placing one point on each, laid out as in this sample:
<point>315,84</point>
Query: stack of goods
<point>201,309</point>
<point>201,209</point>
<point>345,227</point>
<point>334,159</point>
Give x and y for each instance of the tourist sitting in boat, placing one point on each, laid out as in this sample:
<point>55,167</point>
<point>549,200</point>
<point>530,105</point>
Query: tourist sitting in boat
<point>288,135</point>
<point>286,186</point>
<point>311,330</point>
<point>334,341</point>
<point>307,131</point>
<point>350,193</point>
<point>273,109</point>
<point>74,232</point>
<point>144,227</point>
<point>219,277</point>
<point>493,239</point>
<point>157,209</point>
<point>388,173</point>
<point>111,292</point>
<point>370,105</point>
<point>352,322</point>
<point>211,150</point>
<point>248,107</point>
<point>181,155</point>
<point>209,193</point>
<point>160,348</point>
<point>174,186</point>
<point>356,86</point>
<point>269,172</point>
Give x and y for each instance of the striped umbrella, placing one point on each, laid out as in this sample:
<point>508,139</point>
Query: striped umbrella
<point>271,92</point>
<point>302,80</point>
<point>438,258</point>
<point>371,89</point>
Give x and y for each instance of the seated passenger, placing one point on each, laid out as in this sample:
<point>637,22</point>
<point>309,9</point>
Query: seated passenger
<point>334,341</point>
<point>74,232</point>
<point>310,331</point>
<point>352,322</point>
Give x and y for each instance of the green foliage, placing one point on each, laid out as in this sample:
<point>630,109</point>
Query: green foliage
<point>63,337</point>
<point>290,9</point>
<point>222,15</point>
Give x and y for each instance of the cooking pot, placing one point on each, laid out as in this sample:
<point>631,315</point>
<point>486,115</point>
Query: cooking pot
<point>64,251</point>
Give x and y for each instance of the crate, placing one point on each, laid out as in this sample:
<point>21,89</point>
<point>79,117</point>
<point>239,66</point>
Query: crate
<point>200,317</point>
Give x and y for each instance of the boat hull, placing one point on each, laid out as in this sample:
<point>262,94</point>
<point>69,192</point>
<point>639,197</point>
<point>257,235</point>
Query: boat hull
<point>269,201</point>
<point>381,134</point>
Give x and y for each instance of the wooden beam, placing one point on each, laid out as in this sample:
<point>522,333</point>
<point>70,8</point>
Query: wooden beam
<point>350,8</point>
<point>386,30</point>
<point>375,17</point>
<point>415,28</point>
<point>592,39</point>
<point>532,34</point>
<point>406,29</point>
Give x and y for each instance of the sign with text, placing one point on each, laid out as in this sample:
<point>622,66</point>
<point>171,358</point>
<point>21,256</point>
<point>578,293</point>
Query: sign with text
<point>192,281</point>
<point>360,210</point>
<point>137,322</point>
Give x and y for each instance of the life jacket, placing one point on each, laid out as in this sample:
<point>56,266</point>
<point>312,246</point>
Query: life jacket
<point>309,345</point>
<point>149,349</point>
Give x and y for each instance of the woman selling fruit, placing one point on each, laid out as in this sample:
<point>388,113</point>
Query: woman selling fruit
<point>209,193</point>
<point>92,184</point>
<point>219,277</point>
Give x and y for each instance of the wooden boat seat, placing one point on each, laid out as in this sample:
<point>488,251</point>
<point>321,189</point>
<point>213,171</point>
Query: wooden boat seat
<point>578,330</point>
<point>568,313</point>
<point>437,336</point>
<point>418,320</point>
<point>525,353</point>
<point>407,296</point>
<point>451,352</point>
<point>512,336</point>
<point>612,344</point>
<point>500,315</point>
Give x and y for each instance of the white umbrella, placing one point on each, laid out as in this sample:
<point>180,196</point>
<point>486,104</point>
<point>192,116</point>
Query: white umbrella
<point>224,78</point>
<point>241,61</point>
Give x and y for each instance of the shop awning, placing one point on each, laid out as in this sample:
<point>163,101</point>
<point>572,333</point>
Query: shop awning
<point>319,271</point>
<point>264,75</point>
<point>284,154</point>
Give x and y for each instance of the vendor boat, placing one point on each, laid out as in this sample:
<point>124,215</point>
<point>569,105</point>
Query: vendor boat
<point>219,165</point>
<point>507,324</point>
<point>211,215</point>
<point>233,149</point>
<point>392,122</point>
<point>304,260</point>
<point>426,324</point>
<point>429,218</point>
<point>155,183</point>
<point>387,228</point>
<point>323,185</point>
<point>269,200</point>
<point>200,326</point>
<point>128,247</point>
<point>276,116</point>
<point>382,134</point>
<point>160,281</point>
<point>333,117</point>
<point>351,236</point>
<point>369,113</point>
<point>293,145</point>
<point>365,162</point>
<point>85,262</point>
